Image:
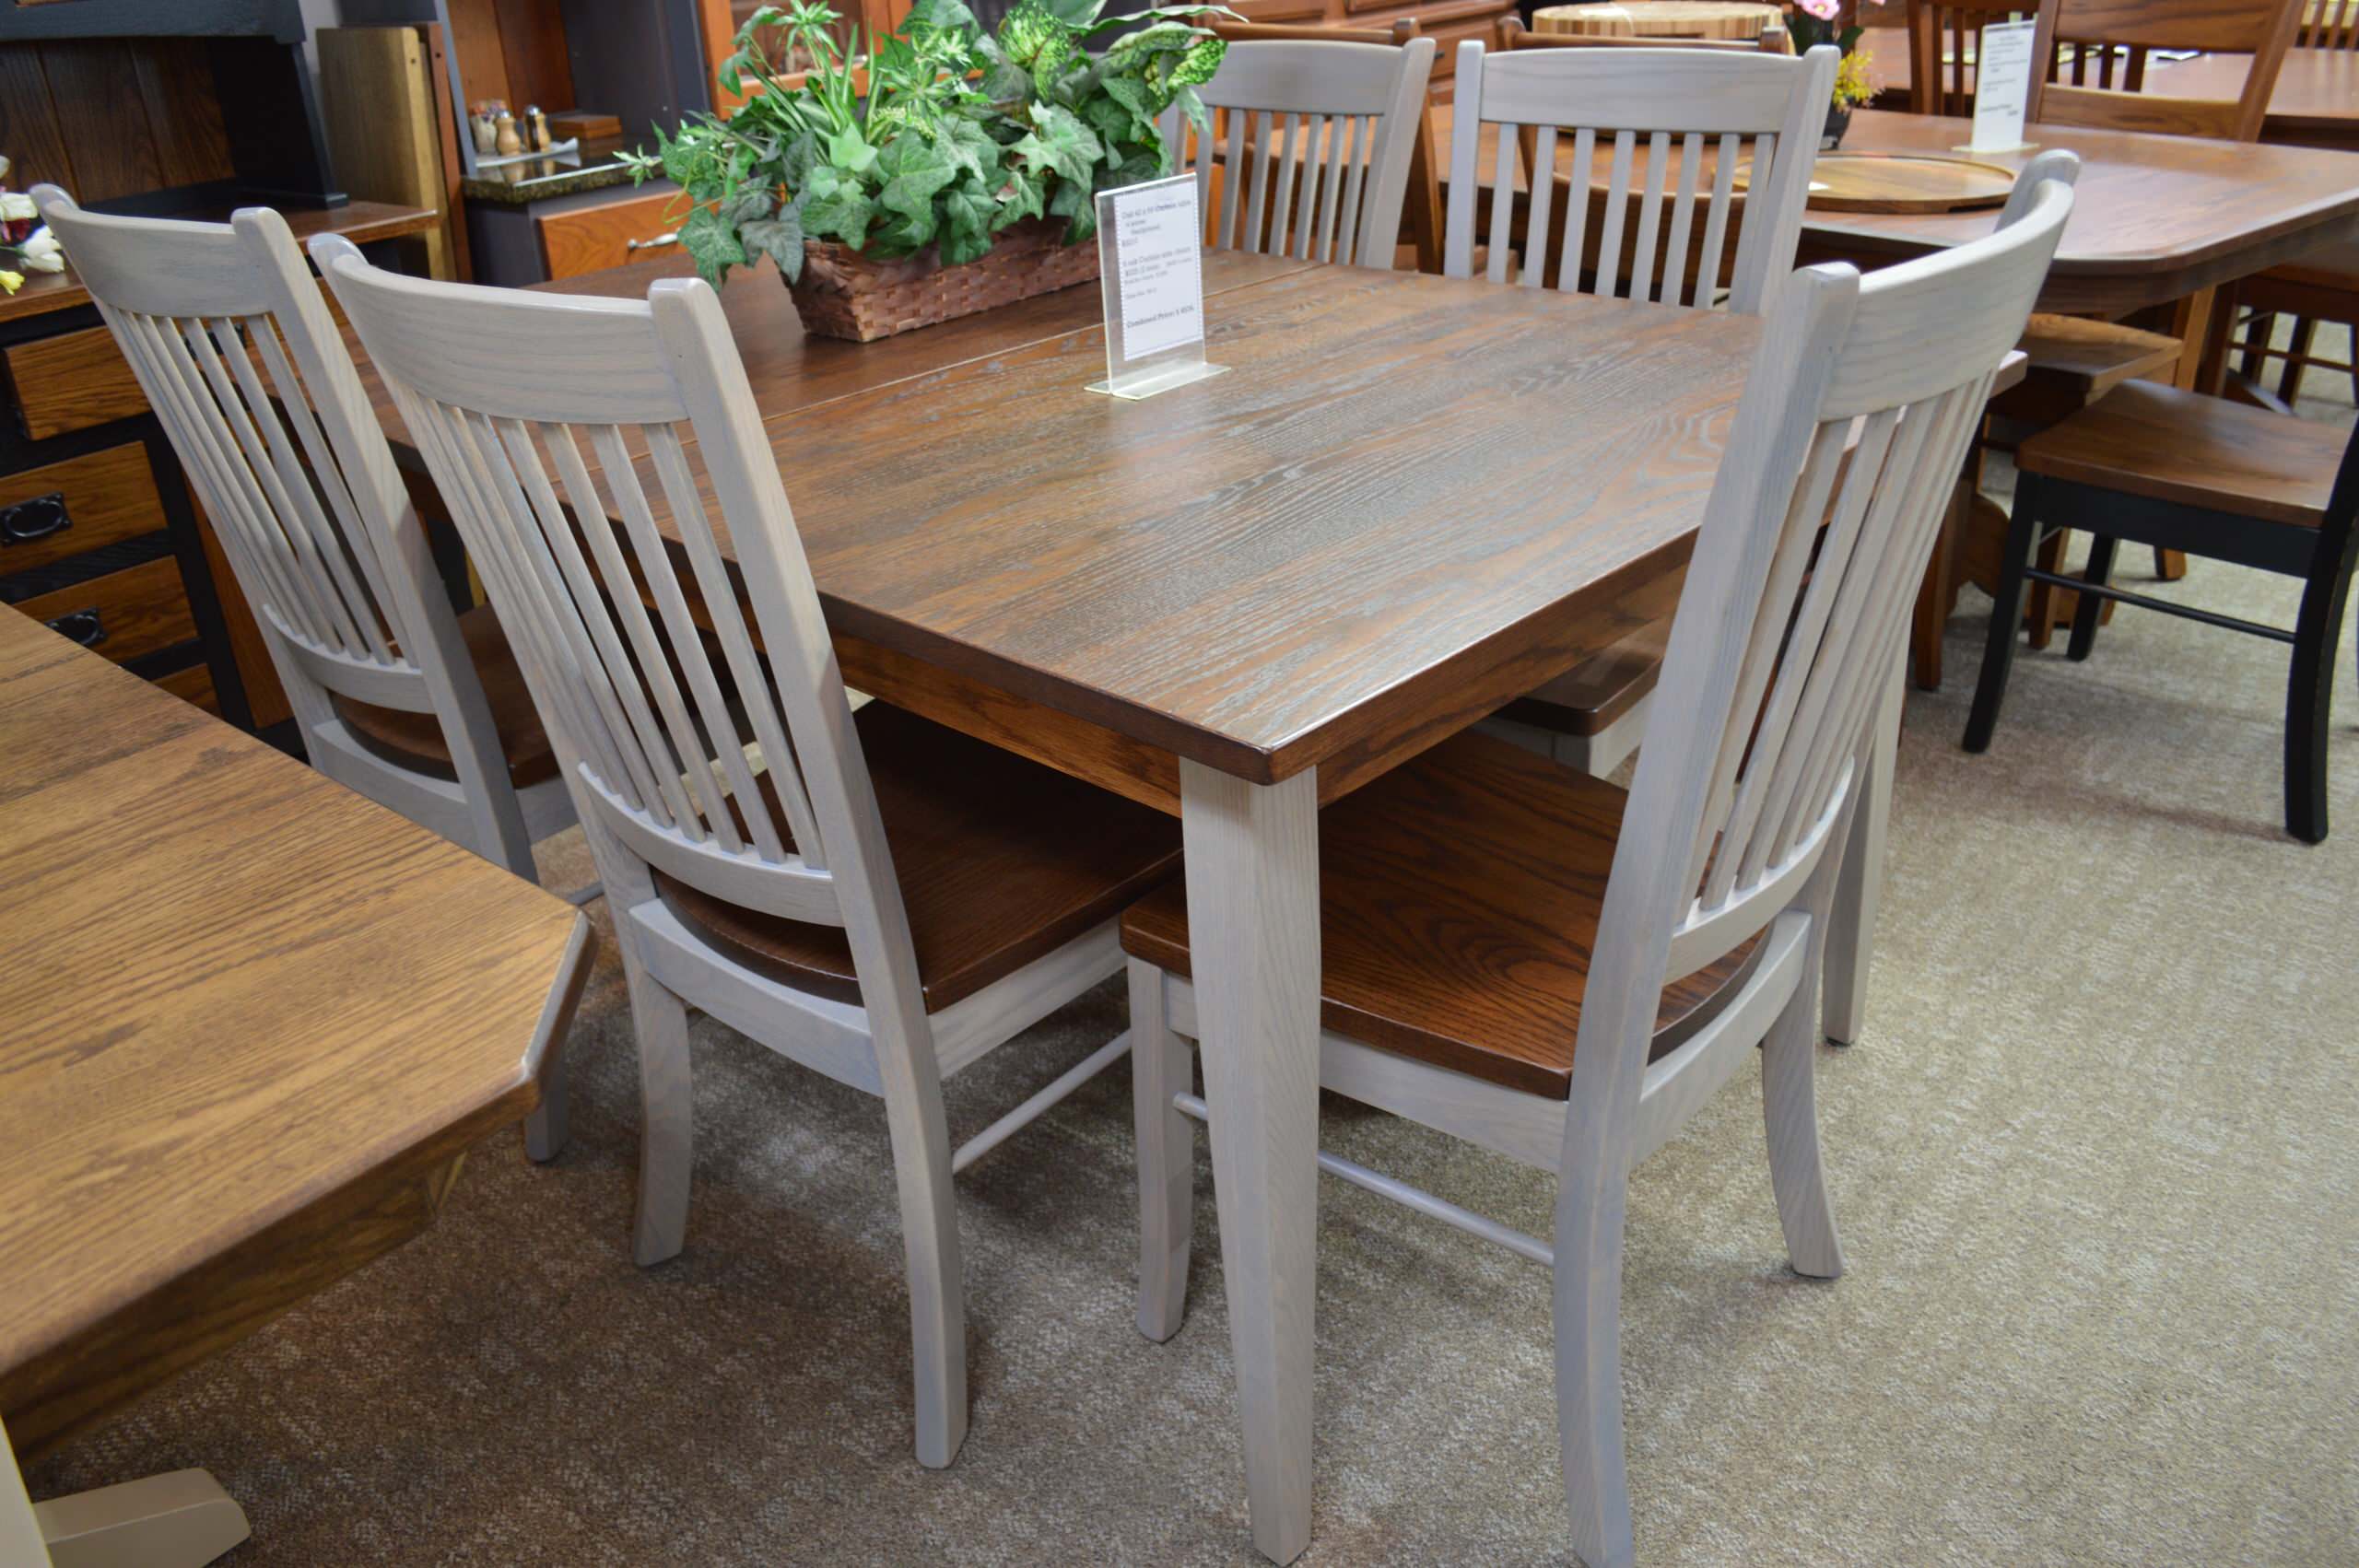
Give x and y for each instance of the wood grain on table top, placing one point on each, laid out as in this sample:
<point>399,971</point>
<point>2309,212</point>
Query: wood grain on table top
<point>1411,499</point>
<point>234,989</point>
<point>1391,511</point>
<point>2153,215</point>
<point>788,369</point>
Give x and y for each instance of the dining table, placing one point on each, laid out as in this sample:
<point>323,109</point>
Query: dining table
<point>254,1024</point>
<point>1411,500</point>
<point>2314,103</point>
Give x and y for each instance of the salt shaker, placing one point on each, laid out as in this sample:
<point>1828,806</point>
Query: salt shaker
<point>509,142</point>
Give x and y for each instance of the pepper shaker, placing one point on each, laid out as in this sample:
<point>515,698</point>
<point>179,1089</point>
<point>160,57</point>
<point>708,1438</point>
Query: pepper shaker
<point>509,142</point>
<point>539,123</point>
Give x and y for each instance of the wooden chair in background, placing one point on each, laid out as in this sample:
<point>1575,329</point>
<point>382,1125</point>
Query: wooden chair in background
<point>2316,288</point>
<point>421,710</point>
<point>1944,37</point>
<point>1326,178</point>
<point>1514,35</point>
<point>1657,936</point>
<point>1421,210</point>
<point>2160,465</point>
<point>885,900</point>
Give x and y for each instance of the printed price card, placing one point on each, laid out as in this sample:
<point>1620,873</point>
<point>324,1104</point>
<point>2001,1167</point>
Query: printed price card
<point>2001,86</point>
<point>1150,256</point>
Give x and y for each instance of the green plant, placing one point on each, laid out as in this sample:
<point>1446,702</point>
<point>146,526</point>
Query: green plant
<point>1815,22</point>
<point>961,133</point>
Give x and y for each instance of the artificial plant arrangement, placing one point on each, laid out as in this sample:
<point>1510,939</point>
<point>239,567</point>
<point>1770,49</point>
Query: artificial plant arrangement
<point>960,136</point>
<point>1837,22</point>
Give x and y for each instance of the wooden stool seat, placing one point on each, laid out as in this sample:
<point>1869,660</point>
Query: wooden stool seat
<point>2072,363</point>
<point>1460,897</point>
<point>2172,445</point>
<point>1000,861</point>
<point>415,740</point>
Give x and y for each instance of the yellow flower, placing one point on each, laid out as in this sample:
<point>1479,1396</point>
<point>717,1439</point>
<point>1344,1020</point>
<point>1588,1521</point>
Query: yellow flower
<point>12,281</point>
<point>1854,82</point>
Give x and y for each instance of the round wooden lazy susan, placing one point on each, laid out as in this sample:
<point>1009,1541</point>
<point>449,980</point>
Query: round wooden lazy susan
<point>1660,18</point>
<point>1901,182</point>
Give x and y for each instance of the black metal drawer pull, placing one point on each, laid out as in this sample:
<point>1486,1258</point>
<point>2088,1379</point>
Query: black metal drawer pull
<point>81,626</point>
<point>36,519</point>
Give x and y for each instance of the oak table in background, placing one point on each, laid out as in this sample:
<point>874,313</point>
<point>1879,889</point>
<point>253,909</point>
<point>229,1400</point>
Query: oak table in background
<point>2314,104</point>
<point>253,1023</point>
<point>1411,499</point>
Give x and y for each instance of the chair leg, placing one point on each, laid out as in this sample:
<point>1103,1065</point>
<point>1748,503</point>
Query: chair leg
<point>2297,359</point>
<point>2085,612</point>
<point>2006,614</point>
<point>1162,1065</point>
<point>666,1133</point>
<point>929,1246</point>
<point>1789,1104</point>
<point>2039,624</point>
<point>1588,1369</point>
<point>1851,929</point>
<point>2309,695</point>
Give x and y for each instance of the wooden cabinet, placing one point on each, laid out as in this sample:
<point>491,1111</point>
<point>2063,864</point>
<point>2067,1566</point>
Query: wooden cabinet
<point>615,234</point>
<point>124,615</point>
<point>71,382</point>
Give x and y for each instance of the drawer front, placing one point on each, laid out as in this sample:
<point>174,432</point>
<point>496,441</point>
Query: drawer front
<point>72,382</point>
<point>193,684</point>
<point>67,508</point>
<point>593,239</point>
<point>1280,10</point>
<point>122,615</point>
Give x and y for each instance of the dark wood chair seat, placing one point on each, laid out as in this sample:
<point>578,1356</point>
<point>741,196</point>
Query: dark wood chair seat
<point>1591,695</point>
<point>2155,466</point>
<point>2072,363</point>
<point>1001,861</point>
<point>1461,895</point>
<point>2171,445</point>
<point>415,740</point>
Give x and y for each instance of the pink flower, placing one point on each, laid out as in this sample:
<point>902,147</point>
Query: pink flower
<point>1825,10</point>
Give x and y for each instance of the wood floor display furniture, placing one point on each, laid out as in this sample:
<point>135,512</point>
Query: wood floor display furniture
<point>1334,129</point>
<point>2157,465</point>
<point>1224,603</point>
<point>254,1024</point>
<point>887,900</point>
<point>393,694</point>
<point>1519,955</point>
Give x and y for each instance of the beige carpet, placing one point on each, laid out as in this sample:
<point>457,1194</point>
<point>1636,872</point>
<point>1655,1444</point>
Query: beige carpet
<point>2096,1160</point>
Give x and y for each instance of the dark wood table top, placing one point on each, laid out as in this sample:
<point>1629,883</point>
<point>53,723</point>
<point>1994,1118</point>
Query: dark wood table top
<point>241,1002</point>
<point>2156,217</point>
<point>1411,499</point>
<point>363,223</point>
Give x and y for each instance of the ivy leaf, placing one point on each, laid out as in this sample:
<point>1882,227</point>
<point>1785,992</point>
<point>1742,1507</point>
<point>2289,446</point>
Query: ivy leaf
<point>849,151</point>
<point>914,169</point>
<point>749,206</point>
<point>1022,198</point>
<point>971,151</point>
<point>796,162</point>
<point>833,205</point>
<point>711,244</point>
<point>968,211</point>
<point>1059,141</point>
<point>1072,202</point>
<point>780,239</point>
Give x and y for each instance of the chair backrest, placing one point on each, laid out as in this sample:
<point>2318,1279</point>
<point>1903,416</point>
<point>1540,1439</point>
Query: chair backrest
<point>293,469</point>
<point>2329,24</point>
<point>1328,182</point>
<point>2262,28</point>
<point>1796,609</point>
<point>1513,35</point>
<point>570,438</point>
<point>1611,99</point>
<point>1944,36</point>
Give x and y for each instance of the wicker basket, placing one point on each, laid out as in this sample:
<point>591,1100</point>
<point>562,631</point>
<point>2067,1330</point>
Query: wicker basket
<point>845,294</point>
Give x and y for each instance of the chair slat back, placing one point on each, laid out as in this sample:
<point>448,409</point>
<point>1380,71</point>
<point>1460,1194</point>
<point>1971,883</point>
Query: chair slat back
<point>1797,605</point>
<point>2329,24</point>
<point>197,309</point>
<point>2095,30</point>
<point>1513,35</point>
<point>1683,101</point>
<point>593,454</point>
<point>1314,140</point>
<point>1944,37</point>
